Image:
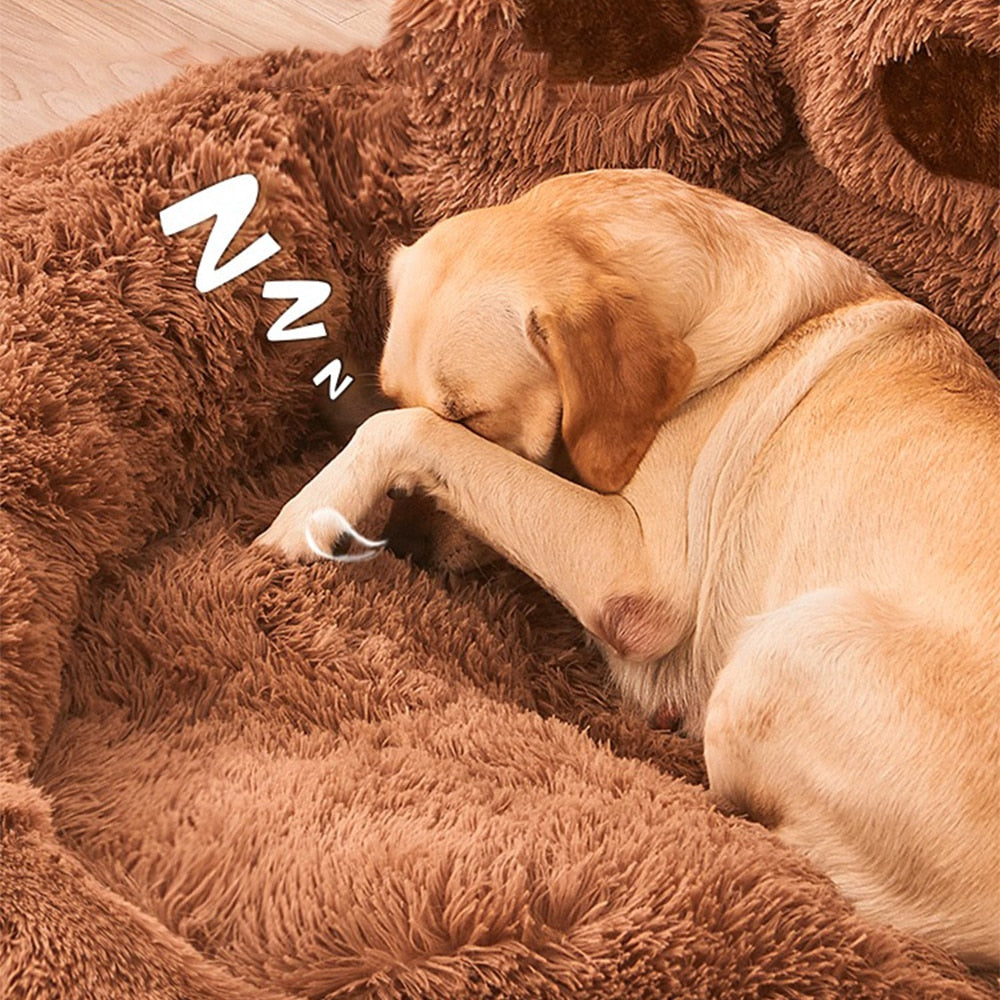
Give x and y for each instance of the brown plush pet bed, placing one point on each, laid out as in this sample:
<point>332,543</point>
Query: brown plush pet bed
<point>225,777</point>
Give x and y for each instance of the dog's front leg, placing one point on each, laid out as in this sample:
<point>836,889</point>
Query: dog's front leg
<point>585,548</point>
<point>346,489</point>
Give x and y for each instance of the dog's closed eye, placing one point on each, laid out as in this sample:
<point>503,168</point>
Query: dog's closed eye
<point>458,411</point>
<point>474,421</point>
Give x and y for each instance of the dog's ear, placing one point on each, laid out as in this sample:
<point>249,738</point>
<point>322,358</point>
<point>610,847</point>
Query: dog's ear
<point>621,371</point>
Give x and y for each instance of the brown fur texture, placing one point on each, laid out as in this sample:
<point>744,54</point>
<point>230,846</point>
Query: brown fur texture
<point>223,777</point>
<point>933,233</point>
<point>943,106</point>
<point>597,41</point>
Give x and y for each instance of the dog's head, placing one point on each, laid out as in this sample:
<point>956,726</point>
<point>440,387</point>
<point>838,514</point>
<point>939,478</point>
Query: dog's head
<point>513,321</point>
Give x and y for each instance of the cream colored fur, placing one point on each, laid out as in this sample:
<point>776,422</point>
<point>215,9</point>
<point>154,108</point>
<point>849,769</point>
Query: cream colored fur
<point>785,516</point>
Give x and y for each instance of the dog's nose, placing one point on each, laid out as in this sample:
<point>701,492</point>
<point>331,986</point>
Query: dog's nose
<point>408,531</point>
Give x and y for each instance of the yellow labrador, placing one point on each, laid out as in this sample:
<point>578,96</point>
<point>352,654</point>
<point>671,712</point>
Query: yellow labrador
<point>785,516</point>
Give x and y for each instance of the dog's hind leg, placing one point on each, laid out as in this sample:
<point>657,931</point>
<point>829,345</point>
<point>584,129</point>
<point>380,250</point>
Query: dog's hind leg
<point>826,724</point>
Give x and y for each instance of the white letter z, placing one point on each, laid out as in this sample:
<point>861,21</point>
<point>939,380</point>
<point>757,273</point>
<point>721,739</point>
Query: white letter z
<point>308,295</point>
<point>230,202</point>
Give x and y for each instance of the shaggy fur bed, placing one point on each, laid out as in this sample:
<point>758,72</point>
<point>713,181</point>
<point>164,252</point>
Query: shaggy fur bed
<point>222,777</point>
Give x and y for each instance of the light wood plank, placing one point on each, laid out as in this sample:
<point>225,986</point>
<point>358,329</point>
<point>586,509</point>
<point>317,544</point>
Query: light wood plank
<point>62,60</point>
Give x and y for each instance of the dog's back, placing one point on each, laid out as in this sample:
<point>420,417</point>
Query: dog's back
<point>868,677</point>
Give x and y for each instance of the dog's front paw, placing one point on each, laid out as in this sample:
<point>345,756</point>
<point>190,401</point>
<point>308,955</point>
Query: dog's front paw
<point>319,521</point>
<point>286,535</point>
<point>289,533</point>
<point>303,534</point>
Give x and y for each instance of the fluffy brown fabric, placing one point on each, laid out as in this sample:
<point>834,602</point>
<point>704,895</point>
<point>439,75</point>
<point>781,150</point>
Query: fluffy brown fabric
<point>597,41</point>
<point>481,135</point>
<point>933,232</point>
<point>66,934</point>
<point>128,397</point>
<point>225,777</point>
<point>943,106</point>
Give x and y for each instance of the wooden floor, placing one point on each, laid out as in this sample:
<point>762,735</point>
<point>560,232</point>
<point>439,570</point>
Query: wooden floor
<point>62,60</point>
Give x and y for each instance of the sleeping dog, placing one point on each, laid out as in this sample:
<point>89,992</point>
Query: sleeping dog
<point>781,521</point>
